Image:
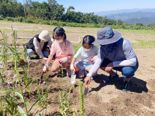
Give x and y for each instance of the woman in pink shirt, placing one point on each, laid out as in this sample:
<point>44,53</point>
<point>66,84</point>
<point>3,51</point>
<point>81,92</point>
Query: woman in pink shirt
<point>62,49</point>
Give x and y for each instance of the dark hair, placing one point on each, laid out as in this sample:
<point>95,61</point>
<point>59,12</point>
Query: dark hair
<point>88,39</point>
<point>59,31</point>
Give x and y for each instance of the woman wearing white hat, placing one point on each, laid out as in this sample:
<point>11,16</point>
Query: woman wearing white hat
<point>39,45</point>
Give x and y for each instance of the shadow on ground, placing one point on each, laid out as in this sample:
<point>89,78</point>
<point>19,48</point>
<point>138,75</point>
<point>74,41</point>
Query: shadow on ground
<point>135,85</point>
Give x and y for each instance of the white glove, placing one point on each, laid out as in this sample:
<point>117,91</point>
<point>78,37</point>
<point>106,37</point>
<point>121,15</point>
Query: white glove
<point>44,58</point>
<point>64,60</point>
<point>45,68</point>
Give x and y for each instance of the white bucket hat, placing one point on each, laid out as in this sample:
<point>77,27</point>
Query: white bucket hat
<point>44,35</point>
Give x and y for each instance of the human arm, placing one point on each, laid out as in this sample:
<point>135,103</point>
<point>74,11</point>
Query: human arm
<point>37,48</point>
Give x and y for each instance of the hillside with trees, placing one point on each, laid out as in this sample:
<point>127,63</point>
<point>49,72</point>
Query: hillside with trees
<point>53,13</point>
<point>50,10</point>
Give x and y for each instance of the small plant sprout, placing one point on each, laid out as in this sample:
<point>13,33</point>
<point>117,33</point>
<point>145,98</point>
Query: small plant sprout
<point>42,96</point>
<point>81,100</point>
<point>15,54</point>
<point>4,50</point>
<point>64,103</point>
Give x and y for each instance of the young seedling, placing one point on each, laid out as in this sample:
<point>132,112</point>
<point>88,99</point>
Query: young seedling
<point>41,100</point>
<point>1,77</point>
<point>64,103</point>
<point>27,81</point>
<point>16,56</point>
<point>62,72</point>
<point>81,100</point>
<point>42,95</point>
<point>11,104</point>
<point>4,50</point>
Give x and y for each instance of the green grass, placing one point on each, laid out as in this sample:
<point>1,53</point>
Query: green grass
<point>136,44</point>
<point>144,44</point>
<point>142,31</point>
<point>76,47</point>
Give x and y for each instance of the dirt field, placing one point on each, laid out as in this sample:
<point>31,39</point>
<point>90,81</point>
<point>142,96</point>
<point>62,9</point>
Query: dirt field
<point>109,100</point>
<point>103,100</point>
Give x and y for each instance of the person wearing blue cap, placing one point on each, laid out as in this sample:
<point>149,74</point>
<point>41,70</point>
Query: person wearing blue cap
<point>115,53</point>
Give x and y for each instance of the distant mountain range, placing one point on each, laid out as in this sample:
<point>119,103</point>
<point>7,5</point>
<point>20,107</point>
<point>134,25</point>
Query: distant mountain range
<point>132,16</point>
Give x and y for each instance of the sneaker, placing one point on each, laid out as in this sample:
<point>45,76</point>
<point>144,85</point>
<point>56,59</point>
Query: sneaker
<point>62,73</point>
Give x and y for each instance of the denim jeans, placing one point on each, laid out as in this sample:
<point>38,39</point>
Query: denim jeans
<point>32,54</point>
<point>127,71</point>
<point>83,65</point>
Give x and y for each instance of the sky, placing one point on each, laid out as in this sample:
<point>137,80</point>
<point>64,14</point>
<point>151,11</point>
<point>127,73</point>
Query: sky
<point>105,5</point>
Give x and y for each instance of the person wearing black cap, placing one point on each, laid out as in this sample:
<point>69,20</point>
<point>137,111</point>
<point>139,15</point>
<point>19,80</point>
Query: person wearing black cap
<point>115,53</point>
<point>84,58</point>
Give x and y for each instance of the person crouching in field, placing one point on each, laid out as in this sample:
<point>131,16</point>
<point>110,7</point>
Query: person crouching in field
<point>39,45</point>
<point>84,59</point>
<point>115,53</point>
<point>63,51</point>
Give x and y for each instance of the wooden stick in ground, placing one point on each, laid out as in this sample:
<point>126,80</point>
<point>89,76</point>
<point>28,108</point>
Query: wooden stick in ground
<point>86,90</point>
<point>41,77</point>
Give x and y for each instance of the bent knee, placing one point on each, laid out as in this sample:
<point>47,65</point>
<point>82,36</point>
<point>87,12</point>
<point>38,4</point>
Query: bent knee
<point>128,71</point>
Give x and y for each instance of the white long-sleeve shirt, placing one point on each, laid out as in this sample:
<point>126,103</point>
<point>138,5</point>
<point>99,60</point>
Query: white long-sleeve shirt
<point>39,46</point>
<point>127,48</point>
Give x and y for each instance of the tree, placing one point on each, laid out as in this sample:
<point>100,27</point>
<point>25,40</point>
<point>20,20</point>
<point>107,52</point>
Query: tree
<point>11,8</point>
<point>70,8</point>
<point>50,10</point>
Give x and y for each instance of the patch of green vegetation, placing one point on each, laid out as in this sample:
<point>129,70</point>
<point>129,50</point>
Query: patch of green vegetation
<point>136,44</point>
<point>144,44</point>
<point>76,47</point>
<point>141,31</point>
<point>81,100</point>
